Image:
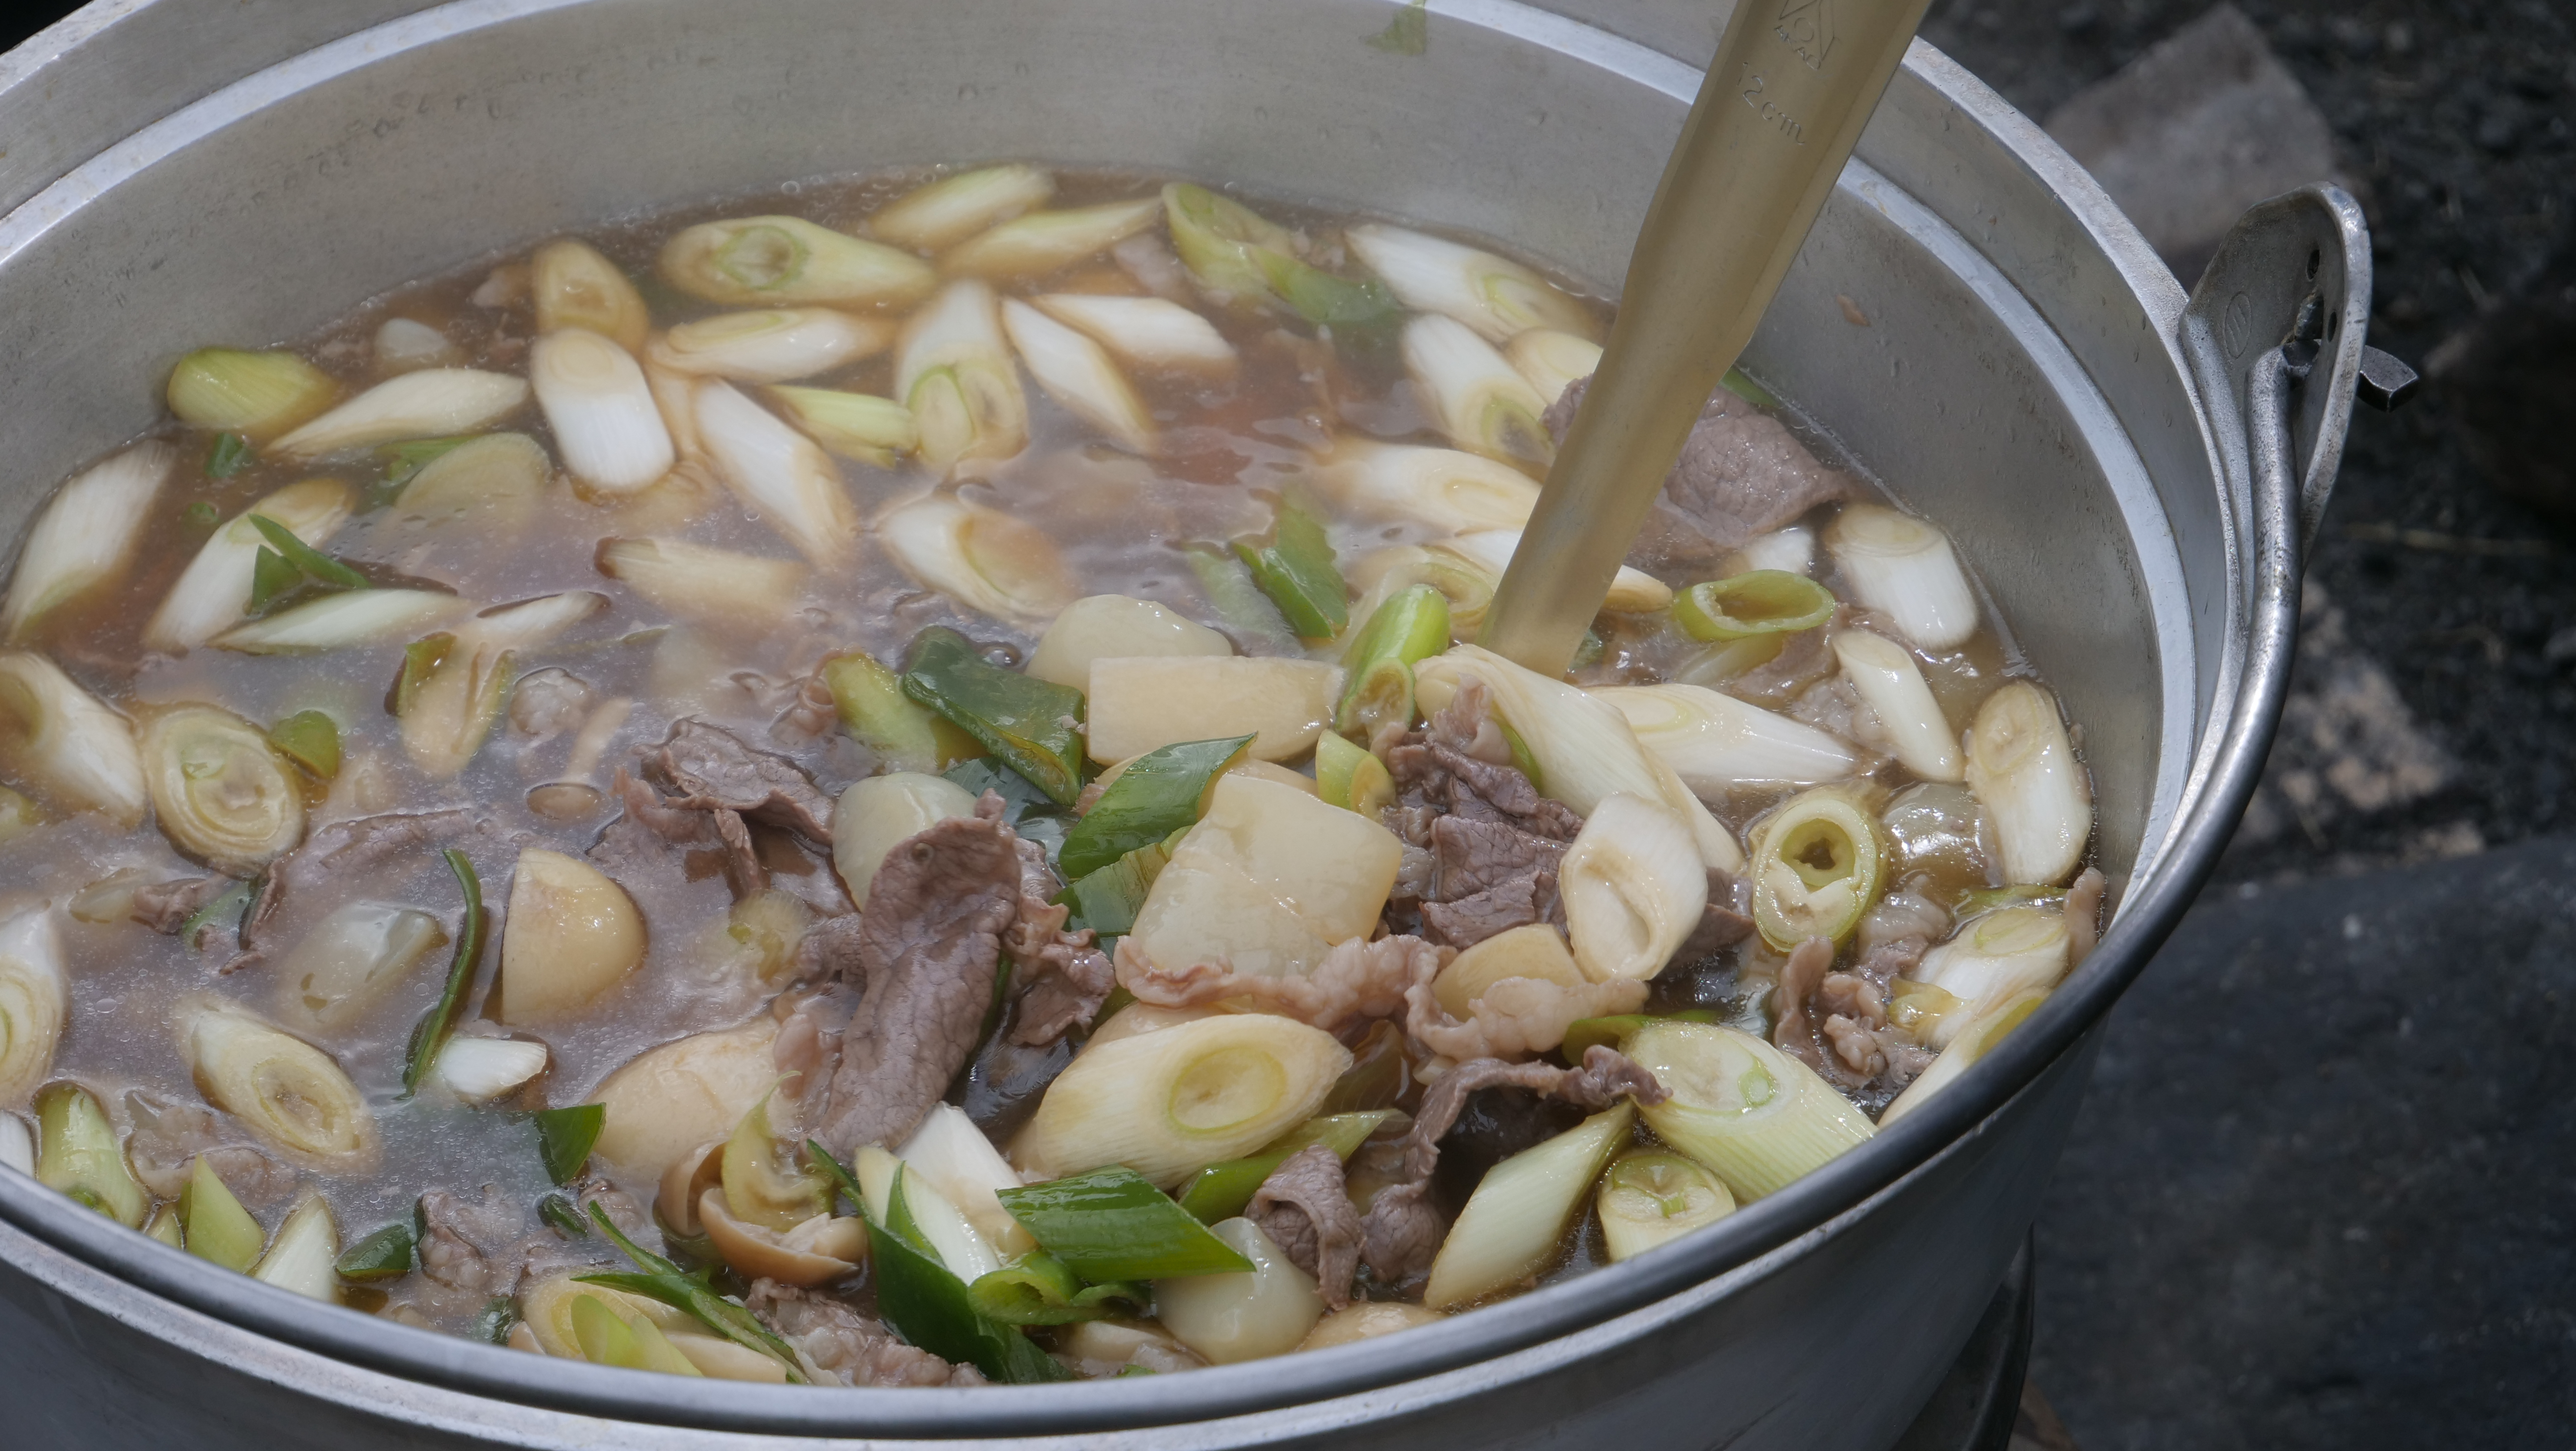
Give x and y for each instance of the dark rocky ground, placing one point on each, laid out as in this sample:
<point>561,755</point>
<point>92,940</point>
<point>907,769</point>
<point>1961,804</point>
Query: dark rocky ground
<point>2321,1194</point>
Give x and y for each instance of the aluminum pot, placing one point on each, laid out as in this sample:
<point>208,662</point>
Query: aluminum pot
<point>2125,470</point>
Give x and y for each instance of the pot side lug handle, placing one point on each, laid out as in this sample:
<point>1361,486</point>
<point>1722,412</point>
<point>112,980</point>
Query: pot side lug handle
<point>2284,308</point>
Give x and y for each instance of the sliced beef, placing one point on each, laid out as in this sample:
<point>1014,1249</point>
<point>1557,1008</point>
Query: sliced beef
<point>1836,1022</point>
<point>1063,976</point>
<point>652,826</point>
<point>337,852</point>
<point>1723,923</point>
<point>1304,1209</point>
<point>1803,660</point>
<point>1740,475</point>
<point>1483,847</point>
<point>469,1248</point>
<point>849,1348</point>
<point>169,1135</point>
<point>1402,1230</point>
<point>707,767</point>
<point>1356,981</point>
<point>165,907</point>
<point>924,954</point>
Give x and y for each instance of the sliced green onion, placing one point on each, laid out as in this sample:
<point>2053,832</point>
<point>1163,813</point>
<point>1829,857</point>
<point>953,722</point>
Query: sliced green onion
<point>229,455</point>
<point>431,1032</point>
<point>1757,602</point>
<point>663,1281</point>
<point>1236,599</point>
<point>1220,240</point>
<point>77,1154</point>
<point>1412,625</point>
<point>559,1211</point>
<point>1320,297</point>
<point>927,1304</point>
<point>1107,899</point>
<point>1158,793</point>
<point>1651,1198</point>
<point>255,395</point>
<point>565,1137</point>
<point>272,578</point>
<point>500,1316</point>
<point>1220,1191</point>
<point>215,1226</point>
<point>1584,1034</point>
<point>322,567</point>
<point>904,734</point>
<point>1756,1117</point>
<point>1818,864</point>
<point>1296,568</point>
<point>1031,726</point>
<point>1112,1224</point>
<point>310,739</point>
<point>858,426</point>
<point>1351,776</point>
<point>387,1254</point>
<point>1038,1290</point>
<point>201,515</point>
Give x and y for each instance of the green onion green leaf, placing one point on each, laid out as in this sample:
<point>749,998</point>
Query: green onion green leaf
<point>1412,626</point>
<point>561,1214</point>
<point>664,1281</point>
<point>227,456</point>
<point>1296,568</point>
<point>322,567</point>
<point>233,901</point>
<point>1220,1191</point>
<point>565,1137</point>
<point>1159,793</point>
<point>1113,1224</point>
<point>384,1255</point>
<point>430,1033</point>
<point>1038,1290</point>
<point>310,739</point>
<point>1029,724</point>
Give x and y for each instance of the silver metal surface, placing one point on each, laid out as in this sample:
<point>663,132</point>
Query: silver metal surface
<point>2023,378</point>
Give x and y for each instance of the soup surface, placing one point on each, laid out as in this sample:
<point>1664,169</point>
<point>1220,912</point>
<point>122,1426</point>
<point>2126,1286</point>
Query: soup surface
<point>898,768</point>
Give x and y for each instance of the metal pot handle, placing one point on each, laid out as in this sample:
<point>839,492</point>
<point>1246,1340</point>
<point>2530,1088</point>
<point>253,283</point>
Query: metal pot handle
<point>2275,335</point>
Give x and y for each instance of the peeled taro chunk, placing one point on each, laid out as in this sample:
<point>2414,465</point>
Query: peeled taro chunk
<point>1741,475</point>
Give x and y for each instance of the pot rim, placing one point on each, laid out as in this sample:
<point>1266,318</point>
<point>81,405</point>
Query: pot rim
<point>1747,1246</point>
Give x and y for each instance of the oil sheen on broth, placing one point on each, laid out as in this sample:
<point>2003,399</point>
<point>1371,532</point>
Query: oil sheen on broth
<point>955,693</point>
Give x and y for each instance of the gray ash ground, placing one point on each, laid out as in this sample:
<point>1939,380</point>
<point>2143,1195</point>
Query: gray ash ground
<point>2456,124</point>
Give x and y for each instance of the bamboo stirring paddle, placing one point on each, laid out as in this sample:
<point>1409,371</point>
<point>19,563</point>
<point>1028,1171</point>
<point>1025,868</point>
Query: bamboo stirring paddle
<point>1786,96</point>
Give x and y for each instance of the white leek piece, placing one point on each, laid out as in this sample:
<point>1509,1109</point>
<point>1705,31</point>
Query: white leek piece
<point>215,588</point>
<point>951,1155</point>
<point>1515,1222</point>
<point>1718,744</point>
<point>74,744</point>
<point>1447,491</point>
<point>1632,591</point>
<point>1649,1198</point>
<point>982,558</point>
<point>1169,1103</point>
<point>86,535</point>
<point>1043,242</point>
<point>454,683</point>
<point>947,211</point>
<point>1552,361</point>
<point>879,813</point>
<point>495,480</point>
<point>1971,1042</point>
<point>1582,746</point>
<point>221,793</point>
<point>602,411</point>
<point>1790,551</point>
<point>1232,1318</point>
<point>1112,627</point>
<point>783,475</point>
<point>1892,686</point>
<point>573,286</point>
<point>1634,888</point>
<point>2022,767</point>
<point>1146,332</point>
<point>32,1003</point>
<point>404,345</point>
<point>432,403</point>
<point>1477,398</point>
<point>1754,1116</point>
<point>257,395</point>
<point>1078,373</point>
<point>1818,864</point>
<point>1904,568</point>
<point>17,1144</point>
<point>1991,958</point>
<point>770,261</point>
<point>344,622</point>
<point>305,1254</point>
<point>771,346</point>
<point>283,1089</point>
<point>699,582</point>
<point>857,426</point>
<point>1363,1320</point>
<point>1500,299</point>
<point>1144,703</point>
<point>350,960</point>
<point>479,1070</point>
<point>954,372</point>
